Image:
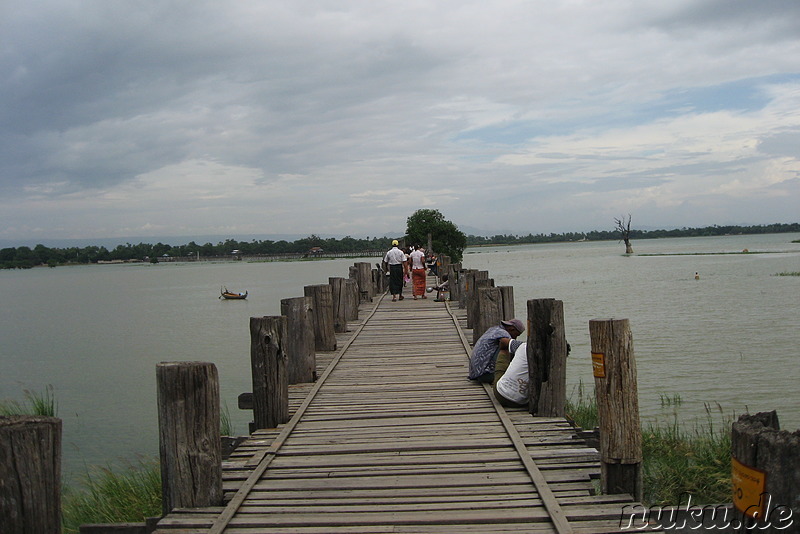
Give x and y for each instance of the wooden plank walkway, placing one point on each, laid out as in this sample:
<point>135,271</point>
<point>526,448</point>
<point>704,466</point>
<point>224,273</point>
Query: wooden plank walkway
<point>394,438</point>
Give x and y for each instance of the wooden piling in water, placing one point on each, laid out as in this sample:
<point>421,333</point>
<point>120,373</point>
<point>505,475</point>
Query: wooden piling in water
<point>614,369</point>
<point>188,429</point>
<point>268,363</point>
<point>322,310</point>
<point>301,356</point>
<point>547,357</point>
<point>30,474</point>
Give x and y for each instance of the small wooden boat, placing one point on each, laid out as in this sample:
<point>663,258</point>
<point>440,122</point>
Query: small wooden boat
<point>230,295</point>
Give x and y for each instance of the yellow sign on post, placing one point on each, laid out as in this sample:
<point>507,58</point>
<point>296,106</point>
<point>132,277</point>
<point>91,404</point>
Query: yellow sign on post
<point>599,364</point>
<point>749,484</point>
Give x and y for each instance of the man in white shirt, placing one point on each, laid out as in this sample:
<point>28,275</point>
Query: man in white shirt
<point>394,259</point>
<point>511,381</point>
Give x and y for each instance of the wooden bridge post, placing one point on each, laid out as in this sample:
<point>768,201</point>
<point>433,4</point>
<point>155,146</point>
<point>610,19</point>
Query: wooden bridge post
<point>301,357</point>
<point>614,368</point>
<point>444,265</point>
<point>339,299</point>
<point>30,474</point>
<point>465,282</point>
<point>547,357</point>
<point>508,302</point>
<point>190,448</point>
<point>766,472</point>
<point>472,306</point>
<point>324,334</point>
<point>364,278</point>
<point>353,299</point>
<point>268,338</point>
<point>489,310</point>
<point>453,280</point>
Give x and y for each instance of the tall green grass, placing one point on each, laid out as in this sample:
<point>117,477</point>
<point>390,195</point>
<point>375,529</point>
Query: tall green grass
<point>36,403</point>
<point>676,460</point>
<point>128,494</point>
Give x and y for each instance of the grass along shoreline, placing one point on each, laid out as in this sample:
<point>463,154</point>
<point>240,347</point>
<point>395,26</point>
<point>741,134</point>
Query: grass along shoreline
<point>676,460</point>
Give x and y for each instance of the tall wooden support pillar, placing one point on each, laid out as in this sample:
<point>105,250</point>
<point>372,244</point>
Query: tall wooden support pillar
<point>614,370</point>
<point>444,264</point>
<point>322,310</point>
<point>301,357</point>
<point>766,472</point>
<point>472,306</point>
<point>465,283</point>
<point>353,299</point>
<point>364,278</point>
<point>453,280</point>
<point>30,474</point>
<point>190,448</point>
<point>268,339</point>
<point>339,300</point>
<point>508,302</point>
<point>547,357</point>
<point>489,310</point>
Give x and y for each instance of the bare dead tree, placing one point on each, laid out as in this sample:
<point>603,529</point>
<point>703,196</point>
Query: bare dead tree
<point>624,228</point>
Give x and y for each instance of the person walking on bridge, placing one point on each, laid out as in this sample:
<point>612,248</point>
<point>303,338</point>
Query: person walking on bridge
<point>418,277</point>
<point>394,260</point>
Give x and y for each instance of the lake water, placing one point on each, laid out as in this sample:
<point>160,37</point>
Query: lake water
<point>95,333</point>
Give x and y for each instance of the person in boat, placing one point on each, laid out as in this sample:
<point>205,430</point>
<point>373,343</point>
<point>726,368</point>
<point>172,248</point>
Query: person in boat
<point>394,260</point>
<point>488,348</point>
<point>511,380</point>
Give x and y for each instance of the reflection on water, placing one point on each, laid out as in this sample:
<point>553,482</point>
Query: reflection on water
<point>96,332</point>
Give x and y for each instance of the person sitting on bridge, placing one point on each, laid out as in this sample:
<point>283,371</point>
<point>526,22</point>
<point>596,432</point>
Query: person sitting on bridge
<point>488,347</point>
<point>440,289</point>
<point>511,381</point>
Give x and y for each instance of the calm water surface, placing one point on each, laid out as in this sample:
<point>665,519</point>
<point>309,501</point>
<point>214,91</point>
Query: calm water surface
<point>96,332</point>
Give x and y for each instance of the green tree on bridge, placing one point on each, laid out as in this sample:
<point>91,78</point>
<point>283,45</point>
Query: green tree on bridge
<point>446,238</point>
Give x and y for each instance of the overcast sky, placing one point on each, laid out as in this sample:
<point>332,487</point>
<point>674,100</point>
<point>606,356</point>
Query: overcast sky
<point>162,118</point>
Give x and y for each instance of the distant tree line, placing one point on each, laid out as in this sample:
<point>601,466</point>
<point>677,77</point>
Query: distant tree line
<point>611,235</point>
<point>26,257</point>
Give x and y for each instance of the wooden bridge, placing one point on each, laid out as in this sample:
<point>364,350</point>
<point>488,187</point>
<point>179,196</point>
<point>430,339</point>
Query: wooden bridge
<point>392,437</point>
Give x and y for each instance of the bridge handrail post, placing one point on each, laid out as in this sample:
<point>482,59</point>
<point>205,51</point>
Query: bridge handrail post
<point>301,355</point>
<point>547,357</point>
<point>489,310</point>
<point>268,361</point>
<point>364,278</point>
<point>322,310</point>
<point>614,369</point>
<point>473,310</point>
<point>30,474</point>
<point>353,299</point>
<point>190,448</point>
<point>339,301</point>
<point>766,471</point>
